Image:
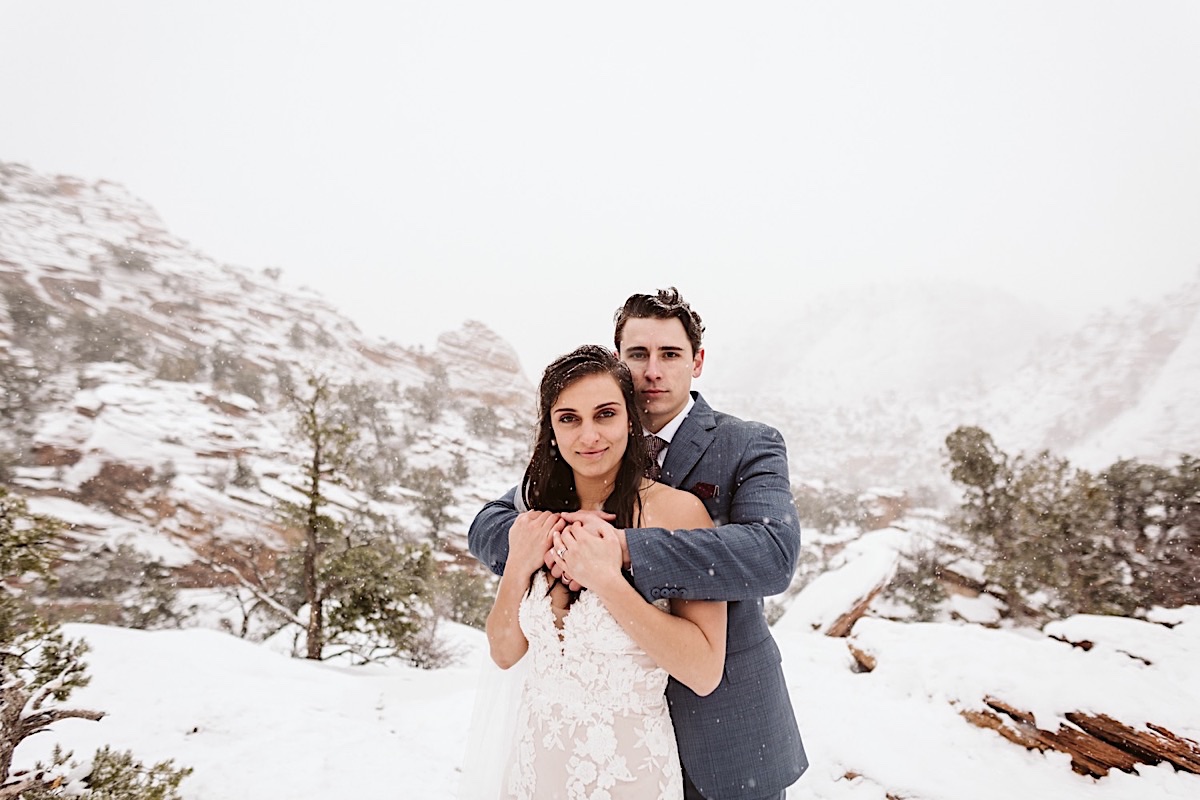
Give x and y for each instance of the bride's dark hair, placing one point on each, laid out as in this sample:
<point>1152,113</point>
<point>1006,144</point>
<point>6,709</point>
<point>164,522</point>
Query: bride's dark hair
<point>549,483</point>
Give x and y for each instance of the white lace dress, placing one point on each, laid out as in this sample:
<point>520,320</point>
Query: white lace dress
<point>593,722</point>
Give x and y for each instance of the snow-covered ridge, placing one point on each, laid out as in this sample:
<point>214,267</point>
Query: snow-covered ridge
<point>866,385</point>
<point>197,385</point>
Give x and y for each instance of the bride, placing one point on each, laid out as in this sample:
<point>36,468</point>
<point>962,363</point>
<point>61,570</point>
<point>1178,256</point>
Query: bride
<point>593,714</point>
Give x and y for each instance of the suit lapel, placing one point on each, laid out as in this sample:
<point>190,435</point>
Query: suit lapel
<point>689,443</point>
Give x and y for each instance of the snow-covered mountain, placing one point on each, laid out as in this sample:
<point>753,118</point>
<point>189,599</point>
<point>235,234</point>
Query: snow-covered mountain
<point>1122,385</point>
<point>140,431</point>
<point>866,385</point>
<point>142,375</point>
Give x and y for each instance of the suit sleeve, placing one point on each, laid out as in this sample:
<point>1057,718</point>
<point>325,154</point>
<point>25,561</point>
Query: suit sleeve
<point>487,538</point>
<point>751,554</point>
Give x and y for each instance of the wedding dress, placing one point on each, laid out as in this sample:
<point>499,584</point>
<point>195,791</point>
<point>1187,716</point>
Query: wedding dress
<point>593,722</point>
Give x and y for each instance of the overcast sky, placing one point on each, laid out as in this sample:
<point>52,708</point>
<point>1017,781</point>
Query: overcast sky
<point>531,164</point>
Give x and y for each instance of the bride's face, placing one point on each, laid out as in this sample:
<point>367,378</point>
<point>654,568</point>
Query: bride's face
<point>591,425</point>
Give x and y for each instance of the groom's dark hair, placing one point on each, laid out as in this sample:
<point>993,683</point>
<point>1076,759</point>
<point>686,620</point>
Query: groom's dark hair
<point>666,304</point>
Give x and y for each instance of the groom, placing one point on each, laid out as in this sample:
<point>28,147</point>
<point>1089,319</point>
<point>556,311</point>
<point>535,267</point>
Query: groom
<point>742,740</point>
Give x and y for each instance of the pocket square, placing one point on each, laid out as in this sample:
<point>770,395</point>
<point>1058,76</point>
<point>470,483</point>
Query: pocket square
<point>705,491</point>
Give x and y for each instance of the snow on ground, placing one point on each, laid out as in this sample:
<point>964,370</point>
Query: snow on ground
<point>255,723</point>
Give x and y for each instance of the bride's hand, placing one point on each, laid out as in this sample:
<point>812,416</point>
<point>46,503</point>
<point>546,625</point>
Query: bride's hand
<point>530,536</point>
<point>591,558</point>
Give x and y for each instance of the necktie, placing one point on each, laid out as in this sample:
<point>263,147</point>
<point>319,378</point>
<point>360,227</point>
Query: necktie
<point>655,444</point>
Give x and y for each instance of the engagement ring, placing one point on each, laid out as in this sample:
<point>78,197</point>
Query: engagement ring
<point>560,552</point>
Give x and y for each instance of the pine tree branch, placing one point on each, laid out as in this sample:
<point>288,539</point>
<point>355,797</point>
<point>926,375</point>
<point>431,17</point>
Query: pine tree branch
<point>51,686</point>
<point>43,720</point>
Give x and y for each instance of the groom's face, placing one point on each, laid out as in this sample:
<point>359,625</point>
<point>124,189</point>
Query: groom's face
<point>663,365</point>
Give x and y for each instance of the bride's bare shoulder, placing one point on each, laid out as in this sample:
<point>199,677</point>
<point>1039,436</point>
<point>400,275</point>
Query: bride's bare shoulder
<point>665,507</point>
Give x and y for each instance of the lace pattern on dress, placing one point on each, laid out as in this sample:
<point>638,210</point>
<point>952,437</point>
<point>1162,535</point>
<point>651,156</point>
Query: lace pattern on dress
<point>594,722</point>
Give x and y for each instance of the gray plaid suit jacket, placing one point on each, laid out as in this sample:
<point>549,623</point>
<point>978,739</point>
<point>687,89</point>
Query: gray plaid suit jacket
<point>742,740</point>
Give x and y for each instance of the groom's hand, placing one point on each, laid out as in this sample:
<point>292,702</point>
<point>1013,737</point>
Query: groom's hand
<point>600,524</point>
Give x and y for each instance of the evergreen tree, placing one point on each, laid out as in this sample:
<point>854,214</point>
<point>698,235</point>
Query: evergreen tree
<point>1056,546</point>
<point>484,423</point>
<point>1057,541</point>
<point>19,390</point>
<point>430,398</point>
<point>982,470</point>
<point>40,668</point>
<point>109,776</point>
<point>1180,553</point>
<point>378,597</point>
<point>1157,513</point>
<point>327,439</point>
<point>120,586</point>
<point>378,464</point>
<point>434,496</point>
<point>364,593</point>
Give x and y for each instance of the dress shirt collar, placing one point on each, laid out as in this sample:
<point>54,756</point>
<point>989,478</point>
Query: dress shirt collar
<point>671,428</point>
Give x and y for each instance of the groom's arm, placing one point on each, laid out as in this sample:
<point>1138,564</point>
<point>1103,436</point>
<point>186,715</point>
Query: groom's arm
<point>487,537</point>
<point>750,554</point>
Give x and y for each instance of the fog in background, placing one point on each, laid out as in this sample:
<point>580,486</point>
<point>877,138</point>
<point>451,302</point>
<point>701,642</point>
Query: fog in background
<point>531,164</point>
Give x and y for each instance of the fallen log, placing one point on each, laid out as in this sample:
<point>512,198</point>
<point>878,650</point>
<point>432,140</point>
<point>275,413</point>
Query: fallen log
<point>1096,743</point>
<point>842,625</point>
<point>863,661</point>
<point>992,721</point>
<point>1153,745</point>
